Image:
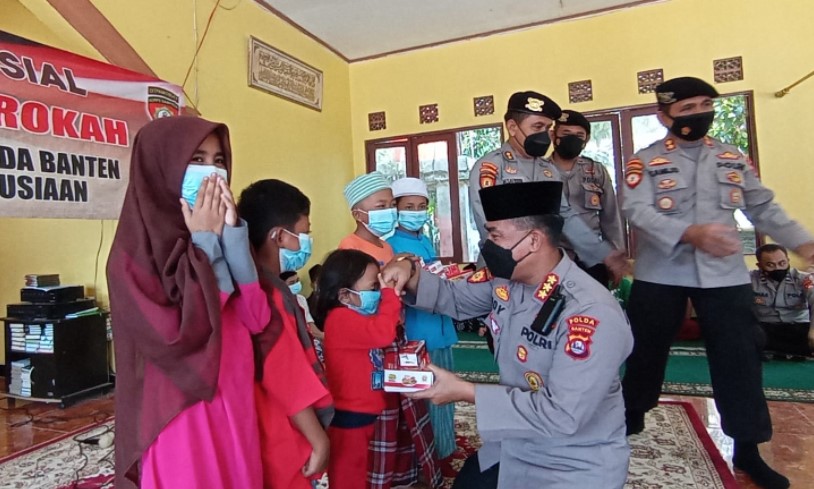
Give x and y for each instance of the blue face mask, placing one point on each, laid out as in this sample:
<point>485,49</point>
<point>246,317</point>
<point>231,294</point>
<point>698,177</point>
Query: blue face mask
<point>295,288</point>
<point>381,221</point>
<point>193,178</point>
<point>369,300</point>
<point>291,261</point>
<point>413,220</point>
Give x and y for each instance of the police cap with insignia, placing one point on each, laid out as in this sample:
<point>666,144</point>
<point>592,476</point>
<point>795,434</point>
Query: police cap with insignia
<point>515,200</point>
<point>574,118</point>
<point>533,103</point>
<point>682,88</point>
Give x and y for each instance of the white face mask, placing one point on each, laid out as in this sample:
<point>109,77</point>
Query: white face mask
<point>193,178</point>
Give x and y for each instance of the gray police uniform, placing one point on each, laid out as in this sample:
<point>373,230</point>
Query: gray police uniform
<point>785,310</point>
<point>589,190</point>
<point>668,188</point>
<point>504,166</point>
<point>789,301</point>
<point>557,418</point>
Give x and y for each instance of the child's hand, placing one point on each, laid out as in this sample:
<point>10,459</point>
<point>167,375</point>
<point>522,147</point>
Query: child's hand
<point>229,201</point>
<point>209,211</point>
<point>318,461</point>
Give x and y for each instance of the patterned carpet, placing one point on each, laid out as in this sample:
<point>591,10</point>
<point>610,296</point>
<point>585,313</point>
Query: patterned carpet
<point>674,452</point>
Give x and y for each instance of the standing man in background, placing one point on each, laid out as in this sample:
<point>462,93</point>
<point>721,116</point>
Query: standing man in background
<point>681,195</point>
<point>528,119</point>
<point>587,186</point>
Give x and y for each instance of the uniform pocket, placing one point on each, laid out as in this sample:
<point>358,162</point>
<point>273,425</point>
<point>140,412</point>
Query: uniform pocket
<point>593,196</point>
<point>730,183</point>
<point>670,192</point>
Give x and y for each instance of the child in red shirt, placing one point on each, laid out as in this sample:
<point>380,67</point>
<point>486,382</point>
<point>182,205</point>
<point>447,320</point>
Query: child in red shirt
<point>360,315</point>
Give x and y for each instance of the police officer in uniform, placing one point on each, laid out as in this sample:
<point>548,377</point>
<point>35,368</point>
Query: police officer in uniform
<point>556,420</point>
<point>784,303</point>
<point>680,196</point>
<point>528,119</point>
<point>587,185</point>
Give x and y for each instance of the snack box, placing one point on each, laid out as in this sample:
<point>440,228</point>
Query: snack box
<point>404,370</point>
<point>407,380</point>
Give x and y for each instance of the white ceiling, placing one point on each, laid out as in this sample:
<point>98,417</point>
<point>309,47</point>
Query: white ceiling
<point>359,29</point>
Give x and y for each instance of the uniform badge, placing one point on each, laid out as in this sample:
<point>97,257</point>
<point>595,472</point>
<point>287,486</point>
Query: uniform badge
<point>547,287</point>
<point>487,181</point>
<point>534,380</point>
<point>665,203</point>
<point>808,283</point>
<point>511,170</point>
<point>534,104</point>
<point>659,160</point>
<point>508,155</point>
<point>633,179</point>
<point>633,173</point>
<point>480,276</point>
<point>522,354</point>
<point>730,156</point>
<point>594,200</point>
<point>580,333</point>
<point>669,144</point>
<point>734,177</point>
<point>708,141</point>
<point>488,174</point>
<point>564,117</point>
<point>548,173</point>
<point>665,97</point>
<point>667,183</point>
<point>502,292</point>
<point>735,196</point>
<point>589,170</point>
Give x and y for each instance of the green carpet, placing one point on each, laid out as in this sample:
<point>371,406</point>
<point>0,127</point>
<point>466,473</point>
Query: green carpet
<point>687,371</point>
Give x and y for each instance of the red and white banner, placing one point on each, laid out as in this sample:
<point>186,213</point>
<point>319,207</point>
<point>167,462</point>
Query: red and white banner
<point>67,125</point>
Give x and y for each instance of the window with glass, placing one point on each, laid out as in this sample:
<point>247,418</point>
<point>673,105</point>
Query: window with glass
<point>443,161</point>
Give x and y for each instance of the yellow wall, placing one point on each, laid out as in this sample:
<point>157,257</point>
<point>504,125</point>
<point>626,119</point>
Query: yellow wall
<point>680,36</point>
<point>271,137</point>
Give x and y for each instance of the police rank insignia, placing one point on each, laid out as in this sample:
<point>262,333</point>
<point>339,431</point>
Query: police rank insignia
<point>488,174</point>
<point>665,203</point>
<point>729,156</point>
<point>669,144</point>
<point>734,177</point>
<point>708,141</point>
<point>480,276</point>
<point>511,170</point>
<point>667,183</point>
<point>580,333</point>
<point>534,380</point>
<point>534,104</point>
<point>659,160</point>
<point>548,173</point>
<point>808,283</point>
<point>508,155</point>
<point>633,173</point>
<point>547,287</point>
<point>522,354</point>
<point>502,292</point>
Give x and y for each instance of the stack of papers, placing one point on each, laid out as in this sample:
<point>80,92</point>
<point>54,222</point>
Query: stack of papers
<point>21,377</point>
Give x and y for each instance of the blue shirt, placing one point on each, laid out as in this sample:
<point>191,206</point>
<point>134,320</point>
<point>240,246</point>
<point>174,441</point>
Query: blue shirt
<point>435,329</point>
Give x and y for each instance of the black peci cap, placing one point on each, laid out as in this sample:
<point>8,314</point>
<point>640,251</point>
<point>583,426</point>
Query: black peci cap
<point>513,200</point>
<point>534,103</point>
<point>682,88</point>
<point>574,118</point>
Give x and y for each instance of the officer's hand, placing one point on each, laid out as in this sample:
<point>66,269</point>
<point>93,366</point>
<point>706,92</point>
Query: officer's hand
<point>716,239</point>
<point>397,274</point>
<point>806,251</point>
<point>447,388</point>
<point>618,266</point>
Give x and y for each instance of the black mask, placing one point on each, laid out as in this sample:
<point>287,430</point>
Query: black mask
<point>569,147</point>
<point>536,145</point>
<point>778,275</point>
<point>692,127</point>
<point>499,260</point>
